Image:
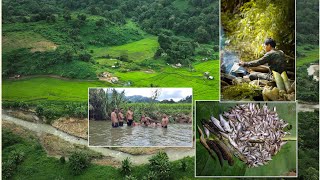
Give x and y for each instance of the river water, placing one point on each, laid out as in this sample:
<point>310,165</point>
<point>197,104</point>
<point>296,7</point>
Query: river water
<point>173,153</point>
<point>102,134</point>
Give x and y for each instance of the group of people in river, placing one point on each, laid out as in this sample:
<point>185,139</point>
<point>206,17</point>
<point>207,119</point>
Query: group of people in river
<point>118,118</point>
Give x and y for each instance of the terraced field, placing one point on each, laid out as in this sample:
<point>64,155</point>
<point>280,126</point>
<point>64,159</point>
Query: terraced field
<point>76,90</point>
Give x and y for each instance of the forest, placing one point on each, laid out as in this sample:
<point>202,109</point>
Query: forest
<point>307,88</point>
<point>181,27</point>
<point>246,24</point>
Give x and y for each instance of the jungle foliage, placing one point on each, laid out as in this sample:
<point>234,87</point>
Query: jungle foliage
<point>248,23</point>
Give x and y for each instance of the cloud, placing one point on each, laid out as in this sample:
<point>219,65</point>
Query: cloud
<point>165,93</point>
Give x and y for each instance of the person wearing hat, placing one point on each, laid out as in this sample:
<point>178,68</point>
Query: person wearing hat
<point>275,59</point>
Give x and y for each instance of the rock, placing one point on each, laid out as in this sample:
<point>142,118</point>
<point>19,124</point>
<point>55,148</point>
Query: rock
<point>237,81</point>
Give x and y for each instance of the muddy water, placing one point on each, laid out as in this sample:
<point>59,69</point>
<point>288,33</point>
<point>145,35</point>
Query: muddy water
<point>102,134</point>
<point>173,154</point>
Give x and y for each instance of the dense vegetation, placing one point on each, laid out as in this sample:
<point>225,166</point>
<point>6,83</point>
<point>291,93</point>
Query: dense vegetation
<point>307,22</point>
<point>307,50</point>
<point>307,88</point>
<point>139,42</point>
<point>247,24</point>
<point>308,145</point>
<point>75,27</point>
<point>25,158</point>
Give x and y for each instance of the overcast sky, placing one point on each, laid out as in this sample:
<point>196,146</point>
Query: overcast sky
<point>165,93</point>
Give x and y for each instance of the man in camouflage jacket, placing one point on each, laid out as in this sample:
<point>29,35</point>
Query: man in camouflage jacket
<point>275,59</point>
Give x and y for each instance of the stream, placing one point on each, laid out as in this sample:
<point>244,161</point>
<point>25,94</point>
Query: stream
<point>102,134</point>
<point>173,153</point>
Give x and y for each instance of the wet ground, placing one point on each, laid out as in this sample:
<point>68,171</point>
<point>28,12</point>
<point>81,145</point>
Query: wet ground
<point>102,134</point>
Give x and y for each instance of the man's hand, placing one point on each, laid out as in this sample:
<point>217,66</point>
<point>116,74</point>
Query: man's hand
<point>241,63</point>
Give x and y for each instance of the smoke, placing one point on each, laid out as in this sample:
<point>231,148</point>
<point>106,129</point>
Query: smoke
<point>229,59</point>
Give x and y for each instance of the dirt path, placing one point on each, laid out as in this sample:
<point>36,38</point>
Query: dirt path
<point>173,153</point>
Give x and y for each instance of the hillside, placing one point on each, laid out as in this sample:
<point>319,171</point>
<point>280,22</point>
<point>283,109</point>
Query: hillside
<point>124,43</point>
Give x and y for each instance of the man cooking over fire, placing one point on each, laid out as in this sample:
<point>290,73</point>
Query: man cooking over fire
<point>275,59</point>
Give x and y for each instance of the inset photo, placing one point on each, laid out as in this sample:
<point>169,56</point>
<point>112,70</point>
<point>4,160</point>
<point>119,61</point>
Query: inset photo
<point>257,50</point>
<point>140,117</point>
<point>246,139</point>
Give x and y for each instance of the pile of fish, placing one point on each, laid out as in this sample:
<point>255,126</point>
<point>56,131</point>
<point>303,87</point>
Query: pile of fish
<point>255,134</point>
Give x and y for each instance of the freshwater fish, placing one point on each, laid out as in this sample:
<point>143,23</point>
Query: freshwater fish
<point>217,123</point>
<point>225,125</point>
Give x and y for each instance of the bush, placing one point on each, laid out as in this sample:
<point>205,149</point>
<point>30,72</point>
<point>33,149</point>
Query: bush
<point>183,164</point>
<point>9,138</point>
<point>160,165</point>
<point>150,176</point>
<point>124,57</point>
<point>85,57</point>
<point>39,110</point>
<point>49,114</point>
<point>8,169</point>
<point>126,166</point>
<point>10,166</point>
<point>130,178</point>
<point>307,48</point>
<point>133,67</point>
<point>78,162</point>
<point>62,160</point>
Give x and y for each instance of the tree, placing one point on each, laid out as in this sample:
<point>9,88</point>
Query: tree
<point>82,17</point>
<point>51,18</point>
<point>85,57</point>
<point>97,100</point>
<point>67,16</point>
<point>202,36</point>
<point>100,23</point>
<point>67,56</point>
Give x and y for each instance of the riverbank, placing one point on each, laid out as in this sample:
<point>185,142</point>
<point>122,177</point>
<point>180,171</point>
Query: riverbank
<point>174,153</point>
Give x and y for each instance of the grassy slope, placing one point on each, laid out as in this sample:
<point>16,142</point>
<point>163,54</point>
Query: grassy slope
<point>25,39</point>
<point>37,165</point>
<point>138,50</point>
<point>48,89</point>
<point>311,55</point>
<point>73,90</point>
<point>171,77</point>
<point>29,34</point>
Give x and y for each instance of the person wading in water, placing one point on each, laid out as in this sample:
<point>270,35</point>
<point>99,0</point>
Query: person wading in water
<point>165,121</point>
<point>129,117</point>
<point>120,117</point>
<point>114,118</point>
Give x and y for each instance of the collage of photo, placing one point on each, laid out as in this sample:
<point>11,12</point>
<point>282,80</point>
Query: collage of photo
<point>160,90</point>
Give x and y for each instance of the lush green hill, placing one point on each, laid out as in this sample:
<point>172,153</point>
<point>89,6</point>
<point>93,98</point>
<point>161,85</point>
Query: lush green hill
<point>80,44</point>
